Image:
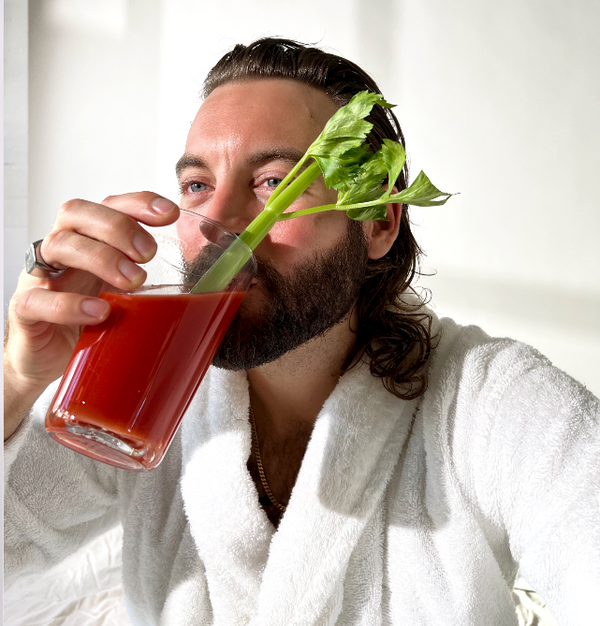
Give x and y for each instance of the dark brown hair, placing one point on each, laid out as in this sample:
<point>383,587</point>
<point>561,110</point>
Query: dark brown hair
<point>392,333</point>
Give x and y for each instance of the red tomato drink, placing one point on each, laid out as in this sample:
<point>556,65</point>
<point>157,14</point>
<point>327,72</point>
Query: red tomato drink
<point>131,378</point>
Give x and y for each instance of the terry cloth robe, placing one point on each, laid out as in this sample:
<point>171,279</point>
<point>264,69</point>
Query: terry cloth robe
<point>403,513</point>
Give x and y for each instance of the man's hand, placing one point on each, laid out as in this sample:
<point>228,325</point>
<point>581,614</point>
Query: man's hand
<point>99,244</point>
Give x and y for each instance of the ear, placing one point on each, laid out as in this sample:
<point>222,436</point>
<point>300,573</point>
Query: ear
<point>382,234</point>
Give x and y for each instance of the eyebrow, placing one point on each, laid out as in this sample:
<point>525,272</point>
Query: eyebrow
<point>289,155</point>
<point>188,160</point>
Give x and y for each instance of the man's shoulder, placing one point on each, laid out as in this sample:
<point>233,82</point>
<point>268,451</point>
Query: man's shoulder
<point>473,343</point>
<point>466,355</point>
<point>473,372</point>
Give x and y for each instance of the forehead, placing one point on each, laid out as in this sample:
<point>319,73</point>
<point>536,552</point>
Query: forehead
<point>261,111</point>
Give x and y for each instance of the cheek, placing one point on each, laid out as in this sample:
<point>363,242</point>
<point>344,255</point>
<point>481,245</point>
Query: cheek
<point>293,241</point>
<point>293,234</point>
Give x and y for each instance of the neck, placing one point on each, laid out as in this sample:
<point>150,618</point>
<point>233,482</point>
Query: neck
<point>293,389</point>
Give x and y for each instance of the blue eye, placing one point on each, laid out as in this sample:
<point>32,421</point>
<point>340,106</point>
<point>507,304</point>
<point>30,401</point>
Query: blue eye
<point>196,187</point>
<point>273,182</point>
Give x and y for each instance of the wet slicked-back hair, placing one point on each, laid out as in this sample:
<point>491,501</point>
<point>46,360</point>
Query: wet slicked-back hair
<point>392,334</point>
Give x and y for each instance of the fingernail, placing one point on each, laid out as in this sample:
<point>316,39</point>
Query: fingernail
<point>162,205</point>
<point>130,270</point>
<point>95,308</point>
<point>144,244</point>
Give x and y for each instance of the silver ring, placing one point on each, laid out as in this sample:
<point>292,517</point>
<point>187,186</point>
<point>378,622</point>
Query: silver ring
<point>36,266</point>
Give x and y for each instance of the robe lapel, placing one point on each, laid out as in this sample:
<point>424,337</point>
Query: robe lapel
<point>336,505</point>
<point>231,532</point>
<point>296,575</point>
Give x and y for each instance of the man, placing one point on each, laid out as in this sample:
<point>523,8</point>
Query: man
<point>409,466</point>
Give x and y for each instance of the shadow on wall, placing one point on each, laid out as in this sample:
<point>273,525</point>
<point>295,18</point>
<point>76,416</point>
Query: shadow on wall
<point>563,325</point>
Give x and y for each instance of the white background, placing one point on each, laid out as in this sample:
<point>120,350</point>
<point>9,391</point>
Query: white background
<point>498,101</point>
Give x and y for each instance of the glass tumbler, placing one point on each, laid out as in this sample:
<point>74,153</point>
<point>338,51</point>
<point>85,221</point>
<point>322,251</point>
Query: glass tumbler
<point>131,378</point>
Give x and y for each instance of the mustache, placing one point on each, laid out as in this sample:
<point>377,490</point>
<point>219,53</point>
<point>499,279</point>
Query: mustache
<point>192,270</point>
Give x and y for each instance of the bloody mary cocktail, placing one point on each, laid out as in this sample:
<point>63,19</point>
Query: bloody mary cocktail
<point>131,378</point>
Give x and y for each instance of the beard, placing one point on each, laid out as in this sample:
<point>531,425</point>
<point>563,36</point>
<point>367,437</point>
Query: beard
<point>319,295</point>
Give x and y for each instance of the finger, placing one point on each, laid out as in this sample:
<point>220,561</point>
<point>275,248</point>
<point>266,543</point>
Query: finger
<point>67,248</point>
<point>67,309</point>
<point>102,223</point>
<point>145,206</point>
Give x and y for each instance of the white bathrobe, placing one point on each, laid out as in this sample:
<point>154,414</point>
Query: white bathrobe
<point>404,512</point>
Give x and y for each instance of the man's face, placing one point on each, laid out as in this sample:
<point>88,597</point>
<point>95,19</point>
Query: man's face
<point>243,141</point>
<point>317,296</point>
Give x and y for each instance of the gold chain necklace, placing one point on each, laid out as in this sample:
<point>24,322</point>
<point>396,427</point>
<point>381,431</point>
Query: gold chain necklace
<point>259,465</point>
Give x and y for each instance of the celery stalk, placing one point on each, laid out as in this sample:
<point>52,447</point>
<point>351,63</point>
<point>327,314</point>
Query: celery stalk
<point>340,154</point>
<point>222,272</point>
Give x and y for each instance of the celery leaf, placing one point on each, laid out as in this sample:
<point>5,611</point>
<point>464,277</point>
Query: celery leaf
<point>347,128</point>
<point>367,183</point>
<point>378,212</point>
<point>394,157</point>
<point>422,192</point>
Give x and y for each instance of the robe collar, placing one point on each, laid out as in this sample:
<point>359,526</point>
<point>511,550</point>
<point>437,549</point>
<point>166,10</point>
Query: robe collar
<point>256,574</point>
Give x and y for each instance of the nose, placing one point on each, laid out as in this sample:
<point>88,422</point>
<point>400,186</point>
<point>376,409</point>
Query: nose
<point>233,207</point>
<point>218,236</point>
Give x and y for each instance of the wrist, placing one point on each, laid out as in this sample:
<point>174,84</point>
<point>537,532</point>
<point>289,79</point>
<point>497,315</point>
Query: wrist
<point>20,394</point>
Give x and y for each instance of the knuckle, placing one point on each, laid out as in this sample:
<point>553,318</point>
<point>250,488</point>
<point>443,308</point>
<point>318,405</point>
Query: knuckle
<point>20,303</point>
<point>106,256</point>
<point>54,241</point>
<point>109,200</point>
<point>69,207</point>
<point>52,238</point>
<point>121,227</point>
<point>120,221</point>
<point>96,257</point>
<point>58,306</point>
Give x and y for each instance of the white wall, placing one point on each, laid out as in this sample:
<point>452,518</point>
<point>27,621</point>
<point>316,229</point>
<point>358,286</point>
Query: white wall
<point>15,212</point>
<point>497,101</point>
<point>93,92</point>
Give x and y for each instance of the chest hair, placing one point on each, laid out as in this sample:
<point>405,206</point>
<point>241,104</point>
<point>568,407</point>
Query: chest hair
<point>281,459</point>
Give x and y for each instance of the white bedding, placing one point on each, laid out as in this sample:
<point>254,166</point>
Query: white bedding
<point>83,590</point>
